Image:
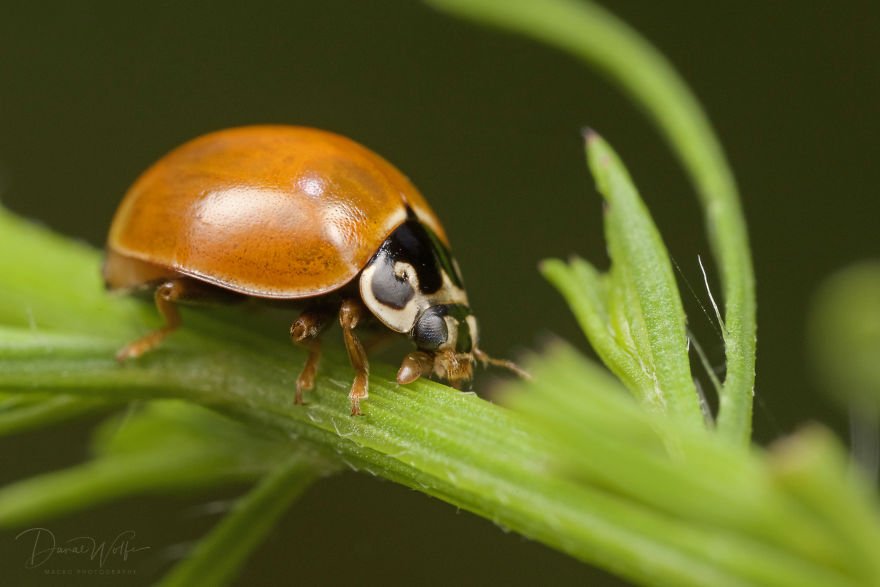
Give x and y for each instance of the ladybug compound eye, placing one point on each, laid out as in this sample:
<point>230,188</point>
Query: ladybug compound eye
<point>446,327</point>
<point>431,330</point>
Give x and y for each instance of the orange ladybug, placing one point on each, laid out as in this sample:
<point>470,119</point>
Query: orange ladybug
<point>299,214</point>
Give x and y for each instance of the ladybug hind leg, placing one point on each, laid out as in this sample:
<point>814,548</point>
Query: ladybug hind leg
<point>166,295</point>
<point>305,332</point>
<point>350,314</point>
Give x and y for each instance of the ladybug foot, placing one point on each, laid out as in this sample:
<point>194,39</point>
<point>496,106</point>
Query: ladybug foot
<point>357,393</point>
<point>305,382</point>
<point>304,333</point>
<point>165,297</point>
<point>135,349</point>
<point>129,351</point>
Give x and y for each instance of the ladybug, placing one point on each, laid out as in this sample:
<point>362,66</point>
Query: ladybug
<point>301,215</point>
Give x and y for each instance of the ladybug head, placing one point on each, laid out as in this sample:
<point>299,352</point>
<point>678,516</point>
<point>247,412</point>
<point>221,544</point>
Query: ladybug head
<point>447,333</point>
<point>413,286</point>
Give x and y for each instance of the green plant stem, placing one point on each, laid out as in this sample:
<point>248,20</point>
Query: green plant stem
<point>217,558</point>
<point>60,338</point>
<point>591,33</point>
<point>444,443</point>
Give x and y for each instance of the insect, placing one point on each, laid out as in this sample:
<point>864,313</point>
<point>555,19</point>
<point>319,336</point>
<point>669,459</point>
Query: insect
<point>306,216</point>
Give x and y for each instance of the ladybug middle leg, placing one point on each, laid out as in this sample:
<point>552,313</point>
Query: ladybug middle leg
<point>350,314</point>
<point>305,332</point>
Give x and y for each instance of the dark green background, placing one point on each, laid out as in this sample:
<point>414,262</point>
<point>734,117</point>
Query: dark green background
<point>487,125</point>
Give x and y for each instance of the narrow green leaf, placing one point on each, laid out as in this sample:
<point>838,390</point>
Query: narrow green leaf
<point>82,486</point>
<point>218,558</point>
<point>591,33</point>
<point>20,412</point>
<point>634,445</point>
<point>581,286</point>
<point>640,265</point>
<point>163,448</point>
<point>735,494</point>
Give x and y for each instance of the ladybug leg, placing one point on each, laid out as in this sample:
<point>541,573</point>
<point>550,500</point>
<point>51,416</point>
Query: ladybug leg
<point>350,314</point>
<point>416,364</point>
<point>166,295</point>
<point>305,332</point>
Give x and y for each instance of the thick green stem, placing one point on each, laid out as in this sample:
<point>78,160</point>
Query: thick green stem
<point>62,330</point>
<point>451,445</point>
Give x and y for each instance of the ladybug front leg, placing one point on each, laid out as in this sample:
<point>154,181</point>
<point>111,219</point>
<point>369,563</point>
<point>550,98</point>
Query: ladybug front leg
<point>305,332</point>
<point>416,364</point>
<point>350,314</point>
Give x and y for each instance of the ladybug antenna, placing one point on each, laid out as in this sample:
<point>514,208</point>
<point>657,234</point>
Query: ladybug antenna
<point>484,358</point>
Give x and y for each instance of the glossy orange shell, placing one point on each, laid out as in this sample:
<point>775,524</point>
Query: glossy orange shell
<point>269,211</point>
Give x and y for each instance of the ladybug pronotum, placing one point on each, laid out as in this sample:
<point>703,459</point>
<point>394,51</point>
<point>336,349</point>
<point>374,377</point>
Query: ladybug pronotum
<point>305,215</point>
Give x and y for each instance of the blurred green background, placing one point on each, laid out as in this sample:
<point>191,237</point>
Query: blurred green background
<point>487,125</point>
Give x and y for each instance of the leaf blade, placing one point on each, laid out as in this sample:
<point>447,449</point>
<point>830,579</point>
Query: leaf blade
<point>588,31</point>
<point>640,265</point>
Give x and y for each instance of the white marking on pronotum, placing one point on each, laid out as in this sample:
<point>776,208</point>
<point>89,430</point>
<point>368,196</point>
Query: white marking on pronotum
<point>711,297</point>
<point>399,320</point>
<point>404,319</point>
<point>405,271</point>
